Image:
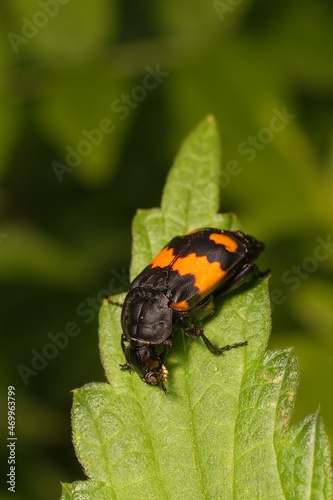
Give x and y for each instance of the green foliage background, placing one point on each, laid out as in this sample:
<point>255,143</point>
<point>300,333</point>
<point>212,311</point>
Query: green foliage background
<point>64,244</point>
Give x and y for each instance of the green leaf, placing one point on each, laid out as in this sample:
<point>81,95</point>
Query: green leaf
<point>223,430</point>
<point>85,490</point>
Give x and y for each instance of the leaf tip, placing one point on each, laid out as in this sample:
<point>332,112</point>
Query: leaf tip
<point>210,118</point>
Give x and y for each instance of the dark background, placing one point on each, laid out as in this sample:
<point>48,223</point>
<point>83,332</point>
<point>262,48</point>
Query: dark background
<point>65,231</point>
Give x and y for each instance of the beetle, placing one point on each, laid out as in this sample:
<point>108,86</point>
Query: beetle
<point>178,287</point>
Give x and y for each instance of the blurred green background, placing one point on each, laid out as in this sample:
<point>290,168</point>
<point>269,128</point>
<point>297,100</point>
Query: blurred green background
<point>115,87</point>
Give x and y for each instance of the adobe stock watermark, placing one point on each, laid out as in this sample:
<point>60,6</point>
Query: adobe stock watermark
<point>31,27</point>
<point>297,274</point>
<point>121,108</point>
<point>223,7</point>
<point>56,342</point>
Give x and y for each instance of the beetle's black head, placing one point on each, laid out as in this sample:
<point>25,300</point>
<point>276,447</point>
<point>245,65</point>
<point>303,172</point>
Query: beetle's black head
<point>146,316</point>
<point>143,358</point>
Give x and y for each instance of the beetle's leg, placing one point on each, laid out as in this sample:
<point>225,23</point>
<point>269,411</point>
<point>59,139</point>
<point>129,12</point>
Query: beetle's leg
<point>123,340</point>
<point>218,350</point>
<point>163,372</point>
<point>114,303</point>
<point>125,367</point>
<point>166,346</point>
<point>123,346</point>
<point>195,331</point>
<point>249,273</point>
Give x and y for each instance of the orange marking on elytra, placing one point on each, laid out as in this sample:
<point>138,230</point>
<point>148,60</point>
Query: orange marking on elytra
<point>164,258</point>
<point>206,274</point>
<point>223,239</point>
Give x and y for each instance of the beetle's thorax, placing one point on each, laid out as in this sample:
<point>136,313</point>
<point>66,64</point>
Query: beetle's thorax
<point>146,315</point>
